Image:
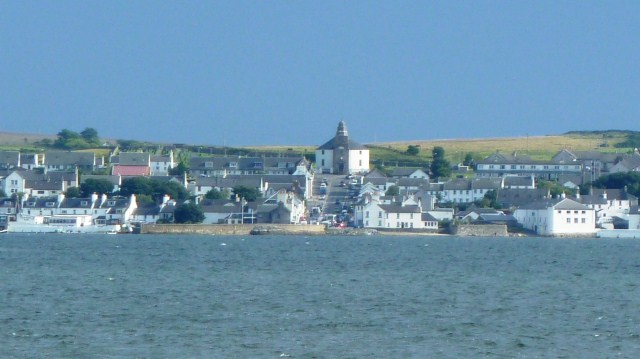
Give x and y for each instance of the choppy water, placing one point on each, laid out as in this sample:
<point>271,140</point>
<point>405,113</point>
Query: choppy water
<point>93,296</point>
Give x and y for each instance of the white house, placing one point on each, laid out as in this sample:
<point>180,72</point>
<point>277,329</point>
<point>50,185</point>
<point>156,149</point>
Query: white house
<point>340,155</point>
<point>557,217</point>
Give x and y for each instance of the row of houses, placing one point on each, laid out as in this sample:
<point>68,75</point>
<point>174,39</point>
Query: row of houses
<point>86,214</point>
<point>416,205</point>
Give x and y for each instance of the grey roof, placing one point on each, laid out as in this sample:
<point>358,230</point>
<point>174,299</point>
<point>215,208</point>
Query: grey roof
<point>377,181</point>
<point>597,195</point>
<point>246,163</point>
<point>630,162</point>
<point>131,159</point>
<point>333,144</point>
<point>53,158</point>
<point>44,185</point>
<point>41,202</point>
<point>9,158</point>
<point>341,139</point>
<point>375,173</point>
<point>556,204</point>
<point>457,184</point>
<point>519,181</point>
<point>486,183</point>
<point>406,171</point>
<point>412,182</point>
<point>118,202</point>
<point>147,211</point>
<point>391,208</point>
<point>516,197</point>
<point>426,217</point>
<point>76,203</point>
<point>160,158</point>
<point>504,158</point>
<point>606,157</point>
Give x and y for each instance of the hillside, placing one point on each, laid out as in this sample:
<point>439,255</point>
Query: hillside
<point>392,153</point>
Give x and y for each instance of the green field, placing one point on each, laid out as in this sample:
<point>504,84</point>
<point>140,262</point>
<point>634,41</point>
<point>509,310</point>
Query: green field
<point>393,153</point>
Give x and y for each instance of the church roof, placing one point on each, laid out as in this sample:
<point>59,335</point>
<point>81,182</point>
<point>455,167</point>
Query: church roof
<point>341,139</point>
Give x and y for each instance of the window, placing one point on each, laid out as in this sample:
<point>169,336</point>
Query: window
<point>575,220</point>
<point>397,215</point>
<point>366,214</point>
<point>379,214</point>
<point>323,152</point>
<point>323,162</point>
<point>584,220</point>
<point>568,220</point>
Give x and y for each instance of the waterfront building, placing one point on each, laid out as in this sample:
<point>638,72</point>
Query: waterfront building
<point>341,155</point>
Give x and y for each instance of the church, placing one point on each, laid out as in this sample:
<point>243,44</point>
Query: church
<point>341,155</point>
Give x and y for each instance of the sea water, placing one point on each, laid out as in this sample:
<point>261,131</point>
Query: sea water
<point>129,296</point>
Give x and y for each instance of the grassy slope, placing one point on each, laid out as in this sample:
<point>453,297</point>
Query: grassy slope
<point>538,147</point>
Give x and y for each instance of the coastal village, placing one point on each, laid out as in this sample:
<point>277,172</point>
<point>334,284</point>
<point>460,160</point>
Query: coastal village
<point>339,191</point>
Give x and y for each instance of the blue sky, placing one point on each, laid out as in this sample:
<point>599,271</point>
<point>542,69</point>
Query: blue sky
<point>286,72</point>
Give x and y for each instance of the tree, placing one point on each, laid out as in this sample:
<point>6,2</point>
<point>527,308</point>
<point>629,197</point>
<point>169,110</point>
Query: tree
<point>440,167</point>
<point>188,213</point>
<point>90,135</point>
<point>217,194</point>
<point>490,200</point>
<point>249,194</point>
<point>555,188</point>
<point>154,188</point>
<point>72,192</point>
<point>412,150</point>
<point>179,170</point>
<point>468,160</point>
<point>96,185</point>
<point>629,180</point>
<point>393,191</point>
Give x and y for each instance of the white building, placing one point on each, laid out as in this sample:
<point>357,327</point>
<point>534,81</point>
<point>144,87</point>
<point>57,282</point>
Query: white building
<point>340,155</point>
<point>557,217</point>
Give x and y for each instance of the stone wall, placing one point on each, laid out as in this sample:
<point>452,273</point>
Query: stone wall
<point>480,230</point>
<point>231,229</point>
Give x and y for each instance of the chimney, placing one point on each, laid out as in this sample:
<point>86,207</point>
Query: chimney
<point>578,192</point>
<point>165,199</point>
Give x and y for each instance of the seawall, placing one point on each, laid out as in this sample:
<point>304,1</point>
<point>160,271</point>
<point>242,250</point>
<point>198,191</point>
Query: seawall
<point>232,229</point>
<point>480,230</point>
